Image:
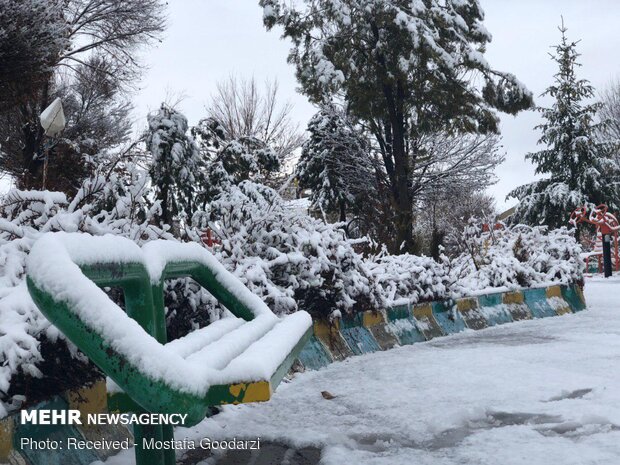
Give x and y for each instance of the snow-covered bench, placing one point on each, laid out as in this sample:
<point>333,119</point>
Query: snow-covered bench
<point>237,359</point>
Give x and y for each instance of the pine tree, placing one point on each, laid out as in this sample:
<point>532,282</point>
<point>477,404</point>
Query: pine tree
<point>405,69</point>
<point>580,169</point>
<point>177,167</point>
<point>230,159</point>
<point>335,164</point>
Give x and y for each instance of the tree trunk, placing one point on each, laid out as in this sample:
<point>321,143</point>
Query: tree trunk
<point>343,212</point>
<point>32,133</point>
<point>403,200</point>
<point>165,210</point>
<point>436,242</point>
<point>31,176</point>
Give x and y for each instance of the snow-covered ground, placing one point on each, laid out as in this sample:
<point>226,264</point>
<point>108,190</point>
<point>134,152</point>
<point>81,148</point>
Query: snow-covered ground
<point>536,392</point>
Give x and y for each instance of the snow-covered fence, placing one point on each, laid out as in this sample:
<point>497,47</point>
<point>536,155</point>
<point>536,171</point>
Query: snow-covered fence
<point>408,324</point>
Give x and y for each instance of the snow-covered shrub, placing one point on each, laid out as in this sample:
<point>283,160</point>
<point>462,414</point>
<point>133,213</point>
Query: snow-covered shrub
<point>32,352</point>
<point>410,278</point>
<point>517,256</point>
<point>291,260</point>
<point>294,261</point>
<point>176,166</point>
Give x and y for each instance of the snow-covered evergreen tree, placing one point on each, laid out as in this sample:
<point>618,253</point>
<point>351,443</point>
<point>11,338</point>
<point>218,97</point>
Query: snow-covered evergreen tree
<point>580,169</point>
<point>610,116</point>
<point>405,69</point>
<point>335,164</point>
<point>176,167</point>
<point>231,160</point>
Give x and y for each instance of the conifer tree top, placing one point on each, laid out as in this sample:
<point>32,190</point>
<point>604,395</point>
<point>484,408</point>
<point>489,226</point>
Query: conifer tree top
<point>579,168</point>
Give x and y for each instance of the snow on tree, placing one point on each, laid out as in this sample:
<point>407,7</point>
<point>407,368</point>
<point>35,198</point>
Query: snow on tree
<point>84,51</point>
<point>609,115</point>
<point>517,256</point>
<point>580,170</point>
<point>98,125</point>
<point>446,219</point>
<point>455,166</point>
<point>176,165</point>
<point>32,36</point>
<point>291,260</point>
<point>335,164</point>
<point>405,69</point>
<point>231,160</point>
<point>32,351</point>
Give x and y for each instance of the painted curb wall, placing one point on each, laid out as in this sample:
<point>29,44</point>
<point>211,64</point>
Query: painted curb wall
<point>369,332</point>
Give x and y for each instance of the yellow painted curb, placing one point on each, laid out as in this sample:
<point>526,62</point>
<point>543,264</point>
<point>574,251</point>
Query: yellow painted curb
<point>330,337</point>
<point>556,292</point>
<point>6,438</point>
<point>259,391</point>
<point>515,297</point>
<point>371,318</point>
<point>464,305</point>
<point>322,329</point>
<point>421,311</point>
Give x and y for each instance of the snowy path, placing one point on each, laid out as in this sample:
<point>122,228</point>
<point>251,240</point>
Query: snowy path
<point>535,392</point>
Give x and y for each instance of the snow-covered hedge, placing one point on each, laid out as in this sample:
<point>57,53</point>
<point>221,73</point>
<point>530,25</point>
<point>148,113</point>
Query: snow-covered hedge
<point>31,350</point>
<point>517,256</point>
<point>508,258</point>
<point>410,279</point>
<point>290,260</point>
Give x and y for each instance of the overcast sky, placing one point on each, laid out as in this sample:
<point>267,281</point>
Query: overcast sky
<point>207,40</point>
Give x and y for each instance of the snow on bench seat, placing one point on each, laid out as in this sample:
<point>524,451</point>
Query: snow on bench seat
<point>202,337</point>
<point>218,355</point>
<point>264,356</point>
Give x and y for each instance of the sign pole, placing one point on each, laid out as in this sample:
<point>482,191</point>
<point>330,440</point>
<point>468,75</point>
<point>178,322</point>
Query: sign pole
<point>607,255</point>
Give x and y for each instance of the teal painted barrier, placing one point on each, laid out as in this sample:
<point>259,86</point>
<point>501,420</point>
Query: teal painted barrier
<point>360,340</point>
<point>369,332</point>
<point>536,300</point>
<point>574,298</point>
<point>446,315</point>
<point>493,310</point>
<point>402,325</point>
<point>314,355</point>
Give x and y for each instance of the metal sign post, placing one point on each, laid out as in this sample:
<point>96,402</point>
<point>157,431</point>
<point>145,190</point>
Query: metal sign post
<point>607,255</point>
<point>53,122</point>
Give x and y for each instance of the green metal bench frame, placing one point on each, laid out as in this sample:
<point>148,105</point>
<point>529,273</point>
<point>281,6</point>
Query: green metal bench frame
<point>144,302</point>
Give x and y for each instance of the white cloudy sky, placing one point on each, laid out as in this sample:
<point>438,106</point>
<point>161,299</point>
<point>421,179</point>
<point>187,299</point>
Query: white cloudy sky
<point>207,40</point>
